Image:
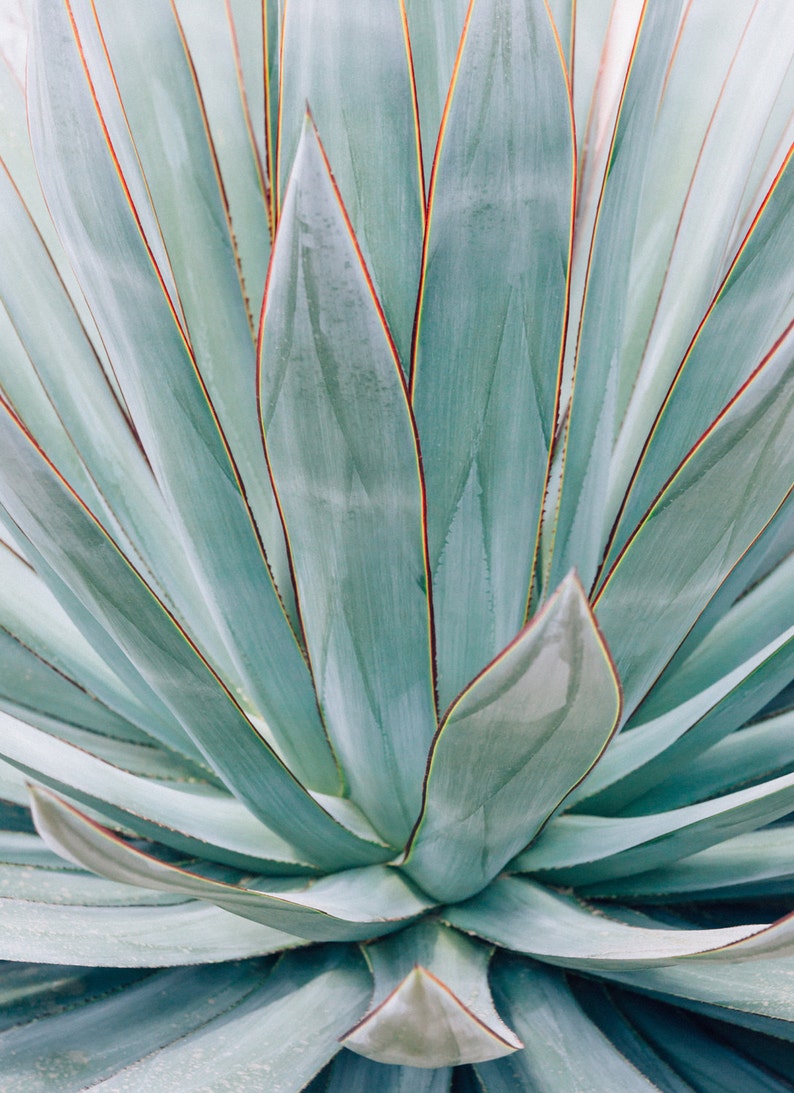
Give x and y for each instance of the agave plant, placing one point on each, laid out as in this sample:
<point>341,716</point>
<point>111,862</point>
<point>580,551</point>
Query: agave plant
<point>397,576</point>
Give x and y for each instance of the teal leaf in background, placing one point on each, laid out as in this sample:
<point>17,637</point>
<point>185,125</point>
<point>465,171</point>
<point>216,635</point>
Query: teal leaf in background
<point>564,1049</point>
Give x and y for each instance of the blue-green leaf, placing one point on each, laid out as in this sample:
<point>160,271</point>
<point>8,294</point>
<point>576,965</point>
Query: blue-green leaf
<point>348,60</point>
<point>589,434</point>
<point>512,746</point>
<point>432,1006</point>
<point>581,849</point>
<point>342,450</point>
<point>352,1073</point>
<point>719,501</point>
<point>346,906</point>
<point>530,918</point>
<point>564,1049</point>
<point>177,423</point>
<point>486,369</point>
<point>130,615</point>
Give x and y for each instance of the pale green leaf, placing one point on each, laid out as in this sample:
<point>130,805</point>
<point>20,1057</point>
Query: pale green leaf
<point>530,918</point>
<point>738,475</point>
<point>512,746</point>
<point>342,450</point>
<point>486,369</point>
<point>581,849</point>
<point>130,614</point>
<point>346,906</point>
<point>347,60</point>
<point>579,531</point>
<point>432,1005</point>
<point>175,420</point>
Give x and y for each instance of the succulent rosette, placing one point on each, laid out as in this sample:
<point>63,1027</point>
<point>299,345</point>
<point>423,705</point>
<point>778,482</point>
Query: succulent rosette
<point>397,572</point>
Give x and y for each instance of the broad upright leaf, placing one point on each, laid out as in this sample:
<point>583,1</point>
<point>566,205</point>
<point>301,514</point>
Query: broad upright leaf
<point>342,450</point>
<point>512,746</point>
<point>490,324</point>
<point>348,60</point>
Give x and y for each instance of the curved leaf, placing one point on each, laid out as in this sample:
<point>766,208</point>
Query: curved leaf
<point>512,746</point>
<point>431,1006</point>
<point>347,906</point>
<point>529,918</point>
<point>580,849</point>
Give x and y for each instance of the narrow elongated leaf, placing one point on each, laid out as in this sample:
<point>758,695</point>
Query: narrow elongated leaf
<point>198,820</point>
<point>346,906</point>
<point>756,864</point>
<point>59,1049</point>
<point>579,534</point>
<point>698,263</point>
<point>744,461</point>
<point>441,979</point>
<point>34,617</point>
<point>342,450</point>
<point>263,1042</point>
<point>564,1049</point>
<point>708,1063</point>
<point>198,234</point>
<point>435,31</point>
<point>485,374</point>
<point>192,1030</point>
<point>759,752</point>
<point>348,60</point>
<point>112,473</point>
<point>742,323</point>
<point>664,746</point>
<point>256,44</point>
<point>579,849</point>
<point>512,746</point>
<point>177,424</point>
<point>137,936</point>
<point>603,1009</point>
<point>744,993</point>
<point>707,40</point>
<point>529,918</point>
<point>214,46</point>
<point>132,616</point>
